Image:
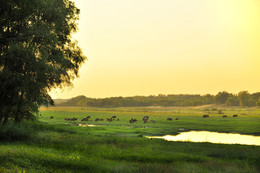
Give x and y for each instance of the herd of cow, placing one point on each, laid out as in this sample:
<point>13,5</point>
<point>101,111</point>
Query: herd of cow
<point>145,119</point>
<point>224,116</point>
<point>88,118</point>
<point>132,120</point>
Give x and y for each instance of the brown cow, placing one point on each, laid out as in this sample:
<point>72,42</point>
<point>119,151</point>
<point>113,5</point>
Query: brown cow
<point>73,119</point>
<point>235,115</point>
<point>133,120</point>
<point>169,119</point>
<point>224,116</point>
<point>84,119</point>
<point>51,117</point>
<point>145,117</point>
<point>205,116</point>
<point>177,119</point>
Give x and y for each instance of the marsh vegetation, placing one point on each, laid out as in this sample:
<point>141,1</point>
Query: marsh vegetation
<point>57,145</point>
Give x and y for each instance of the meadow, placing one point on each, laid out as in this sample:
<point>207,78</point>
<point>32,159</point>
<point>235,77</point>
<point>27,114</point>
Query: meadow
<point>57,145</point>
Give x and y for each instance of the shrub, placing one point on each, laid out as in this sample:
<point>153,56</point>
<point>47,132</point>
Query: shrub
<point>12,131</point>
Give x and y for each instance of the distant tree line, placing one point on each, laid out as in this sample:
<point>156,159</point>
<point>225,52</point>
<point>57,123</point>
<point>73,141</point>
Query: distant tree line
<point>243,98</point>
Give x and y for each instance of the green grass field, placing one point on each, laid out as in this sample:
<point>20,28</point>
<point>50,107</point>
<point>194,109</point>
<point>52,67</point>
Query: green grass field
<point>56,145</point>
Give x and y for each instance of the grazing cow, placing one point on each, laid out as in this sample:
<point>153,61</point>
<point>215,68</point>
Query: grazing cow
<point>113,117</point>
<point>205,116</point>
<point>97,119</point>
<point>235,115</point>
<point>169,119</point>
<point>133,120</point>
<point>51,117</point>
<point>88,117</point>
<point>146,118</point>
<point>224,116</point>
<point>84,119</point>
<point>109,119</point>
<point>153,121</point>
<point>73,119</point>
<point>177,119</point>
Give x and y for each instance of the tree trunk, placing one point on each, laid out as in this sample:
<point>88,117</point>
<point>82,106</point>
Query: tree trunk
<point>5,120</point>
<point>18,110</point>
<point>1,118</point>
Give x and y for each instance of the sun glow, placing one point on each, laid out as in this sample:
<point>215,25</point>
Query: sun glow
<point>192,46</point>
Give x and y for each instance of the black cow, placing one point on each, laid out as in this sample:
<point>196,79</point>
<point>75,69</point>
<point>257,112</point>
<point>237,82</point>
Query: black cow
<point>84,119</point>
<point>133,120</point>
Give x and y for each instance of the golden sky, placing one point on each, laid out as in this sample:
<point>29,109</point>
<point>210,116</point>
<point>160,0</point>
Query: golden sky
<point>150,47</point>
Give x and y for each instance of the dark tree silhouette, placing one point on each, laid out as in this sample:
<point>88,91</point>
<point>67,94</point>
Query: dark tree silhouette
<point>37,54</point>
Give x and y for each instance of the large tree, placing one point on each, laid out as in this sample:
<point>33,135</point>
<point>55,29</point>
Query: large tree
<point>37,53</point>
<point>243,97</point>
<point>222,97</point>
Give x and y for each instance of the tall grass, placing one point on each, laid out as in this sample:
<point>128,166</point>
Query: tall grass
<point>13,132</point>
<point>118,147</point>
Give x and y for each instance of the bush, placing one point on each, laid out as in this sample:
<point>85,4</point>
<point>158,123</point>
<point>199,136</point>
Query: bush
<point>12,131</point>
<point>220,112</point>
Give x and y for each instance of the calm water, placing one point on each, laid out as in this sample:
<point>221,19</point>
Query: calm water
<point>213,137</point>
<point>87,125</point>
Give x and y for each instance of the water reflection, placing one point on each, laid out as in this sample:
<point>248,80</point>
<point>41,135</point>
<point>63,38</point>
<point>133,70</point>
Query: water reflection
<point>87,125</point>
<point>213,137</point>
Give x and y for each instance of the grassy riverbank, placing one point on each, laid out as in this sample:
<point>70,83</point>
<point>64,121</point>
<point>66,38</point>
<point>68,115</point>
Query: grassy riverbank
<point>56,145</point>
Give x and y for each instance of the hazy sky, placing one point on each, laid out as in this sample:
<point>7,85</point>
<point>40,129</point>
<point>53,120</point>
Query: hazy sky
<point>150,47</point>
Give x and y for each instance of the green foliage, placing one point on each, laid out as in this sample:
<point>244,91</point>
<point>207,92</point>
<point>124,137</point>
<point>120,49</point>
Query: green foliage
<point>224,98</point>
<point>189,119</point>
<point>13,132</point>
<point>232,101</point>
<point>243,97</point>
<point>165,100</point>
<point>66,148</point>
<point>220,111</point>
<point>36,53</point>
